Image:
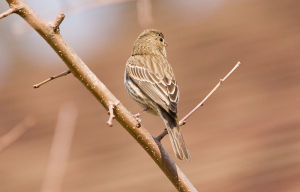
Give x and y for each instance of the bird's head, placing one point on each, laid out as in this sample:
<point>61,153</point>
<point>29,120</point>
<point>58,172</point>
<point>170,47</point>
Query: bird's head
<point>150,41</point>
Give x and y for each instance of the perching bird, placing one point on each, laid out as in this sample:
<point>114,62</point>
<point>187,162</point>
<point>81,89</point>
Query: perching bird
<point>150,81</point>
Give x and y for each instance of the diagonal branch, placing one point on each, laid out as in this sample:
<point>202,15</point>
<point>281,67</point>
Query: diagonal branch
<point>51,78</point>
<point>60,148</point>
<point>104,96</point>
<point>183,120</point>
<point>16,132</point>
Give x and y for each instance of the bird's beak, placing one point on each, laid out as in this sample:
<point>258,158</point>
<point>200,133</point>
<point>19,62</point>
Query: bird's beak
<point>166,44</point>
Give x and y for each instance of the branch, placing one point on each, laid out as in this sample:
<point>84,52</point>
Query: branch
<point>79,6</point>
<point>144,13</point>
<point>8,12</point>
<point>60,149</point>
<point>59,19</point>
<point>16,132</point>
<point>51,78</point>
<point>183,120</point>
<point>111,107</point>
<point>104,96</point>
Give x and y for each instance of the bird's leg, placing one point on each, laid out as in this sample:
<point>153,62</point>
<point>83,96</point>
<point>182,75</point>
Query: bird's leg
<point>141,112</point>
<point>162,135</point>
<point>137,116</point>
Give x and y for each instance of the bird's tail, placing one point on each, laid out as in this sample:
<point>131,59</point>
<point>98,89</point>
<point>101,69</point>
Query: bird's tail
<point>175,136</point>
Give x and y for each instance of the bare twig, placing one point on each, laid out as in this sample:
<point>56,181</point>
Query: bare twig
<point>104,96</point>
<point>16,132</point>
<point>58,20</point>
<point>144,13</point>
<point>8,12</point>
<point>60,149</point>
<point>51,78</point>
<point>111,107</point>
<point>183,120</point>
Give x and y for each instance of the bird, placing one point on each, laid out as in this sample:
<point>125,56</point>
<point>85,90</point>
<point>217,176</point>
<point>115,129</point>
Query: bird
<point>149,79</point>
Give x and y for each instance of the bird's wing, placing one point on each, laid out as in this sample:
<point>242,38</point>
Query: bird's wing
<point>157,86</point>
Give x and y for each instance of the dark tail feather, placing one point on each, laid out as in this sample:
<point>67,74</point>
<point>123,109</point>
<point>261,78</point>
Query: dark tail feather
<point>175,136</point>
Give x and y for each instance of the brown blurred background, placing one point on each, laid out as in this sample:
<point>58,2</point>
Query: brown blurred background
<point>245,138</point>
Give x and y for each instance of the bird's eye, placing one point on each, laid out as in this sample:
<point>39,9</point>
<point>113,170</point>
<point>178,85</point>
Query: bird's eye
<point>161,39</point>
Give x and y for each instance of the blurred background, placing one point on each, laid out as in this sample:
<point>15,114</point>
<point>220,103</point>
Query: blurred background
<point>245,138</point>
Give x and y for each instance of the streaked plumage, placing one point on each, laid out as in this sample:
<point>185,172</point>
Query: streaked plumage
<point>150,81</point>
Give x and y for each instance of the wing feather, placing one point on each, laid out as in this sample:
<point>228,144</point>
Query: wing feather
<point>158,87</point>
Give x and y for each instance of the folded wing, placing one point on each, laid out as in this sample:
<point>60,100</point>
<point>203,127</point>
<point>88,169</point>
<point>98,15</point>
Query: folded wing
<point>155,84</point>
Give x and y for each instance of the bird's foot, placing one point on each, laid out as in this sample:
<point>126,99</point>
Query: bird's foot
<point>138,115</point>
<point>138,119</point>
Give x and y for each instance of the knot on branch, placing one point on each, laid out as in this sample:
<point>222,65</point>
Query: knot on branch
<point>111,107</point>
<point>58,20</point>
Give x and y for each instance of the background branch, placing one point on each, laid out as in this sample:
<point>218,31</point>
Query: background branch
<point>16,132</point>
<point>144,13</point>
<point>60,148</point>
<point>104,96</point>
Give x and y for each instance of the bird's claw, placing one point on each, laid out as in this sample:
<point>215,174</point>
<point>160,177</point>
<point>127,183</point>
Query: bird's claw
<point>138,119</point>
<point>137,115</point>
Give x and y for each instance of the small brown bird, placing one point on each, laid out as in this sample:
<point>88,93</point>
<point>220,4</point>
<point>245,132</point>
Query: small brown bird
<point>150,81</point>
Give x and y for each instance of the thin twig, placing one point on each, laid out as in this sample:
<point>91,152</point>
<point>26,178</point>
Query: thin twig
<point>51,78</point>
<point>8,12</point>
<point>16,132</point>
<point>58,20</point>
<point>183,120</point>
<point>111,107</point>
<point>60,148</point>
<point>80,70</point>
